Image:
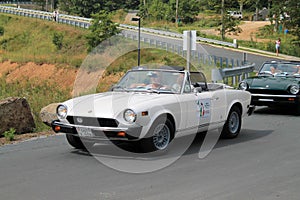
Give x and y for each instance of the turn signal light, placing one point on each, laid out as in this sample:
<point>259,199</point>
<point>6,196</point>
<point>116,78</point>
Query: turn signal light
<point>121,134</point>
<point>57,128</point>
<point>291,99</point>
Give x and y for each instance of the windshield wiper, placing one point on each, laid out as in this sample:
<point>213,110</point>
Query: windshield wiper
<point>265,73</point>
<point>153,90</point>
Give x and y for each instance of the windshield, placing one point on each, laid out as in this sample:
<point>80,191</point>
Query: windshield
<point>280,69</point>
<point>151,81</point>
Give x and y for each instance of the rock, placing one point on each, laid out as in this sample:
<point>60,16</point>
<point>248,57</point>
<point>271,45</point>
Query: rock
<point>16,113</point>
<point>48,113</point>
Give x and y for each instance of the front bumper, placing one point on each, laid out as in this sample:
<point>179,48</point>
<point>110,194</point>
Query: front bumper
<point>272,100</point>
<point>98,133</point>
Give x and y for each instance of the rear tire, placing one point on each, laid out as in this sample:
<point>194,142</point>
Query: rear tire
<point>159,136</point>
<point>233,124</point>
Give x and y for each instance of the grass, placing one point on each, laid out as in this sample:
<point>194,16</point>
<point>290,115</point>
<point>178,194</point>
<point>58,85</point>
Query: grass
<point>31,40</point>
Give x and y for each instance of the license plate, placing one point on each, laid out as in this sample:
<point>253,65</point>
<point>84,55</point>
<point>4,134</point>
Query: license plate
<point>84,132</point>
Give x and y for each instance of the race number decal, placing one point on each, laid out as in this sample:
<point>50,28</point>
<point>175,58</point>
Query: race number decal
<point>203,108</point>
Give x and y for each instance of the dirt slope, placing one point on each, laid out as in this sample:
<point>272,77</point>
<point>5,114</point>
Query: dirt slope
<point>61,76</point>
<point>249,29</point>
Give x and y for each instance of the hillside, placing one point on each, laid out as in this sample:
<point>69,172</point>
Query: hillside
<point>33,40</point>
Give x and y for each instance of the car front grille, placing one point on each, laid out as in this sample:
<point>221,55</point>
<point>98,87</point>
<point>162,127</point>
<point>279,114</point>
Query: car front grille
<point>91,121</point>
<point>268,91</point>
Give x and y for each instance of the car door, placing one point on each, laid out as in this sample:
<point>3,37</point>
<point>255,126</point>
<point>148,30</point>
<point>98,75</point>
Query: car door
<point>196,108</point>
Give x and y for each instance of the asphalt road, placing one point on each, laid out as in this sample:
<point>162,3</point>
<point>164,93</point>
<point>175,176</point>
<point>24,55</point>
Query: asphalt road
<point>262,163</point>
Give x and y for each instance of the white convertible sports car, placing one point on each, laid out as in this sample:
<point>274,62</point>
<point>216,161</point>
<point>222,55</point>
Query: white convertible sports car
<point>152,107</point>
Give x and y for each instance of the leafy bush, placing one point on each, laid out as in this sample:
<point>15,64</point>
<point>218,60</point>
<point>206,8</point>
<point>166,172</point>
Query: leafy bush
<point>57,40</point>
<point>10,134</point>
<point>1,30</point>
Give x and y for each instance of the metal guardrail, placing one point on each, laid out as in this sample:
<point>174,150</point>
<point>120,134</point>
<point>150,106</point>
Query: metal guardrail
<point>62,18</point>
<point>236,73</point>
<point>17,2</point>
<point>178,35</point>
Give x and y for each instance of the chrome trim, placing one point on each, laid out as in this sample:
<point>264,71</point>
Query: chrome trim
<point>201,126</point>
<point>273,95</point>
<point>93,127</point>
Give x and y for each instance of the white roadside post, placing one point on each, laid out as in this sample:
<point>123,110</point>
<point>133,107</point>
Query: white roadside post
<point>189,43</point>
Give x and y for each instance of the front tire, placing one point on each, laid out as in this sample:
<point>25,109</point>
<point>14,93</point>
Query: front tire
<point>75,142</point>
<point>159,136</point>
<point>233,124</point>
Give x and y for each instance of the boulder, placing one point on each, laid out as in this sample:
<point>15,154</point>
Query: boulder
<point>48,113</point>
<point>16,113</point>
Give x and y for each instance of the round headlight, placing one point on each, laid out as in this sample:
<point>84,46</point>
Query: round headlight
<point>62,111</point>
<point>243,86</point>
<point>129,116</point>
<point>294,89</point>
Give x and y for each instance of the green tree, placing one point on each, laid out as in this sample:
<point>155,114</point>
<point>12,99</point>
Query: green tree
<point>278,13</point>
<point>85,8</point>
<point>293,24</point>
<point>166,10</point>
<point>101,29</point>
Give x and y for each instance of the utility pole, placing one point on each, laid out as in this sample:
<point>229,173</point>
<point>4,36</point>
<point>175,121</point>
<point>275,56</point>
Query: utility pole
<point>47,5</point>
<point>176,13</point>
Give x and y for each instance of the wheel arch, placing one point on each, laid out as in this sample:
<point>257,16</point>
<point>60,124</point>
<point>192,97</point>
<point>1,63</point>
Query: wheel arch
<point>170,117</point>
<point>237,104</point>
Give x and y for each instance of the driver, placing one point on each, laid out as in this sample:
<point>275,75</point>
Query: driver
<point>155,82</point>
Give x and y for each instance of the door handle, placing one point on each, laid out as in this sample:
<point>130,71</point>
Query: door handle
<point>215,99</point>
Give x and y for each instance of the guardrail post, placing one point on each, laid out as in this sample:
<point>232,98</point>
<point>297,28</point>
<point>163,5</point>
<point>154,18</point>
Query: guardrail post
<point>226,60</point>
<point>244,58</point>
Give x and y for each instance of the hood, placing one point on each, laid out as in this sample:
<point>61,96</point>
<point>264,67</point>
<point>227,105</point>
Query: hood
<point>110,104</point>
<point>272,83</point>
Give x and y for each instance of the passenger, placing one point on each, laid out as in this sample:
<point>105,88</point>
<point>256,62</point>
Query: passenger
<point>273,70</point>
<point>177,86</point>
<point>298,70</point>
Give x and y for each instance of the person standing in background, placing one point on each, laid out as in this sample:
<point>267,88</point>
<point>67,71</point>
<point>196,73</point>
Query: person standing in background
<point>277,46</point>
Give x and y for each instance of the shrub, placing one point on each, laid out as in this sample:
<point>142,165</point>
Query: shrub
<point>57,40</point>
<point>10,134</point>
<point>1,30</point>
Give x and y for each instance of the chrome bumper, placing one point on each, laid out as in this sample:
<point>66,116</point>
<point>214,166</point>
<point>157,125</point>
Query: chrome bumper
<point>99,133</point>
